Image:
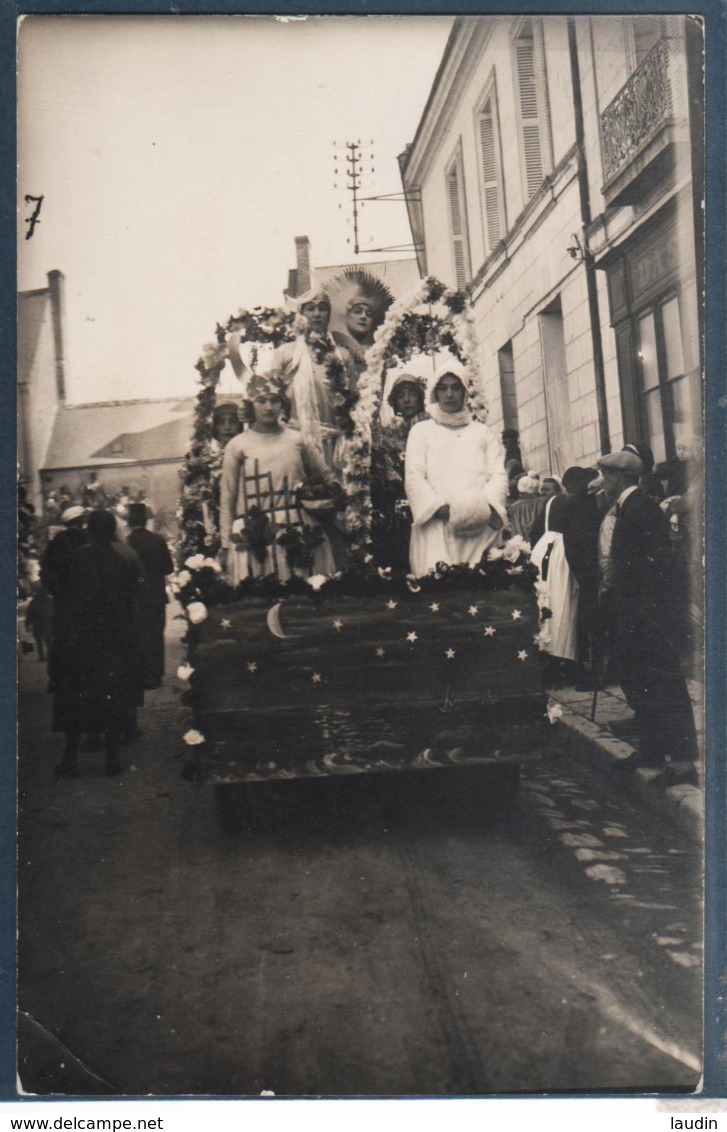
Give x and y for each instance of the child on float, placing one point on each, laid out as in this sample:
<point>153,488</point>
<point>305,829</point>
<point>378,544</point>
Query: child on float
<point>268,456</point>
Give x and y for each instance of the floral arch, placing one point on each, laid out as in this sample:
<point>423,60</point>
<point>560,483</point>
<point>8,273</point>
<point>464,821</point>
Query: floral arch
<point>430,321</point>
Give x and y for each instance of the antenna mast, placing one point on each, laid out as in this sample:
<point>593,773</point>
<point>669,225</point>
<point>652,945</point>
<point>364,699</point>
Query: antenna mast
<point>356,165</point>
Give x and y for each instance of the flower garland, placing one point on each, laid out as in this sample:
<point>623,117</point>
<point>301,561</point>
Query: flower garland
<point>199,585</point>
<point>448,325</point>
<point>198,510</point>
<point>325,352</point>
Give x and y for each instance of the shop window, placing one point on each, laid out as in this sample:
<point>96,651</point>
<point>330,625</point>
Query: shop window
<point>534,126</point>
<point>669,387</point>
<point>458,221</point>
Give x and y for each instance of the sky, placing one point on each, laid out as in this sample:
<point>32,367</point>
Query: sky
<point>179,157</point>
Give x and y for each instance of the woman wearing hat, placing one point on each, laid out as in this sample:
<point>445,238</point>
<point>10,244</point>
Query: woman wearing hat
<point>456,482</point>
<point>262,470</point>
<point>527,510</point>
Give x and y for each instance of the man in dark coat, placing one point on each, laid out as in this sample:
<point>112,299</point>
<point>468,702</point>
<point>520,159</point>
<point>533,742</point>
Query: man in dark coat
<point>55,574</point>
<point>157,564</point>
<point>647,654</point>
<point>580,543</point>
<point>96,686</point>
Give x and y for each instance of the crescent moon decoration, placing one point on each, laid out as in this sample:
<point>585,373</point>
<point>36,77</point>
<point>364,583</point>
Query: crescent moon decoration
<point>273,620</point>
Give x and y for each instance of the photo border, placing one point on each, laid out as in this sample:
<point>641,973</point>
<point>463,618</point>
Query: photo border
<point>714,13</point>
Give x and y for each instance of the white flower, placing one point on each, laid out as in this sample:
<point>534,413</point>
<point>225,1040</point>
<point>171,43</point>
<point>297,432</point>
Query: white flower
<point>193,738</point>
<point>184,672</point>
<point>183,578</point>
<point>510,553</point>
<point>554,711</point>
<point>195,562</point>
<point>196,612</point>
<point>495,553</point>
<point>316,581</point>
<point>514,547</point>
<point>213,565</point>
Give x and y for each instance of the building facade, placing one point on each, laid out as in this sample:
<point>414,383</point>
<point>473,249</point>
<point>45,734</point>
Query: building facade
<point>553,175</point>
<point>128,447</point>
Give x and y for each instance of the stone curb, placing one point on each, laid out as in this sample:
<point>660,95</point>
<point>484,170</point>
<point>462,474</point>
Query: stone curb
<point>578,738</point>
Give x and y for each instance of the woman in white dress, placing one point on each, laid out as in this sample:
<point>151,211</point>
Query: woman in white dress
<point>455,479</point>
<point>301,365</point>
<point>262,471</point>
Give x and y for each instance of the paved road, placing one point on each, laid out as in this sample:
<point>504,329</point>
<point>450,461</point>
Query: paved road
<point>350,937</point>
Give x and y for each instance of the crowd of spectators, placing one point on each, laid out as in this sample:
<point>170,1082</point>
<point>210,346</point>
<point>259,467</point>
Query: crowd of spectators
<point>618,548</point>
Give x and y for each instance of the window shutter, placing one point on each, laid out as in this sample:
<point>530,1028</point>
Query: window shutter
<point>531,123</point>
<point>457,221</point>
<point>493,219</point>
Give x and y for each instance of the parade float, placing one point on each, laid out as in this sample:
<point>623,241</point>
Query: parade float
<point>368,670</point>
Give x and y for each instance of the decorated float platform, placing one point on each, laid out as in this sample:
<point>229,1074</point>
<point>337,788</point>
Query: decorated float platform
<point>371,670</point>
<point>378,680</point>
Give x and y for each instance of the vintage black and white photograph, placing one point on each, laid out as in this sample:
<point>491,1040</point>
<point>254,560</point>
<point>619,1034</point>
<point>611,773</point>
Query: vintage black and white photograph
<point>361,569</point>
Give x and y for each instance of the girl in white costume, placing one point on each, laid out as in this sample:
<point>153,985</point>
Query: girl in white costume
<point>456,482</point>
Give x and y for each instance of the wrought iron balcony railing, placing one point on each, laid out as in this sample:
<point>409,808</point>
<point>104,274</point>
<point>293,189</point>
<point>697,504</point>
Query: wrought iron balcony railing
<point>642,105</point>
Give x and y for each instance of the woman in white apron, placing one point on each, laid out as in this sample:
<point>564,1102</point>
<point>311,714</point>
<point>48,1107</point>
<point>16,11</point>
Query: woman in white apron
<point>556,587</point>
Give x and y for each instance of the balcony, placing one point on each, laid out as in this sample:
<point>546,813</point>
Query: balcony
<point>645,129</point>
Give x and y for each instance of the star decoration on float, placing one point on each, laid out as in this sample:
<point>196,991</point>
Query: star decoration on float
<point>412,637</point>
<point>252,666</point>
<point>473,611</point>
<point>225,623</point>
<point>338,624</point>
<point>381,652</point>
<point>450,654</point>
<point>434,607</point>
<point>490,630</point>
<point>516,614</point>
<point>522,654</point>
<point>391,605</point>
<point>316,677</point>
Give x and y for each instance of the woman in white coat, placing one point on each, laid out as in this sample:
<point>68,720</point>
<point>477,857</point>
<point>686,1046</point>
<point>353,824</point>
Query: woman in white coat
<point>455,478</point>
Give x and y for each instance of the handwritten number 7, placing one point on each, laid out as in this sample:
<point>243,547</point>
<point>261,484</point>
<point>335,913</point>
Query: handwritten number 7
<point>35,217</point>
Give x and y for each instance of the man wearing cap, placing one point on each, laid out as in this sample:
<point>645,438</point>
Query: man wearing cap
<point>640,594</point>
<point>157,564</point>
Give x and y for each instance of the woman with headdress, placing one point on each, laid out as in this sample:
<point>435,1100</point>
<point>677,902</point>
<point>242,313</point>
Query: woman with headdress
<point>301,366</point>
<point>359,301</point>
<point>456,482</point>
<point>264,525</point>
<point>391,514</point>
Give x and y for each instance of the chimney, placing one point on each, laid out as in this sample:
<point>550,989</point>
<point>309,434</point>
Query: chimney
<point>56,287</point>
<point>304,281</point>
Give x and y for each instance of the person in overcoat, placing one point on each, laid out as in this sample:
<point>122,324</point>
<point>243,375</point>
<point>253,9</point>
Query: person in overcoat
<point>157,565</point>
<point>642,598</point>
<point>96,687</point>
